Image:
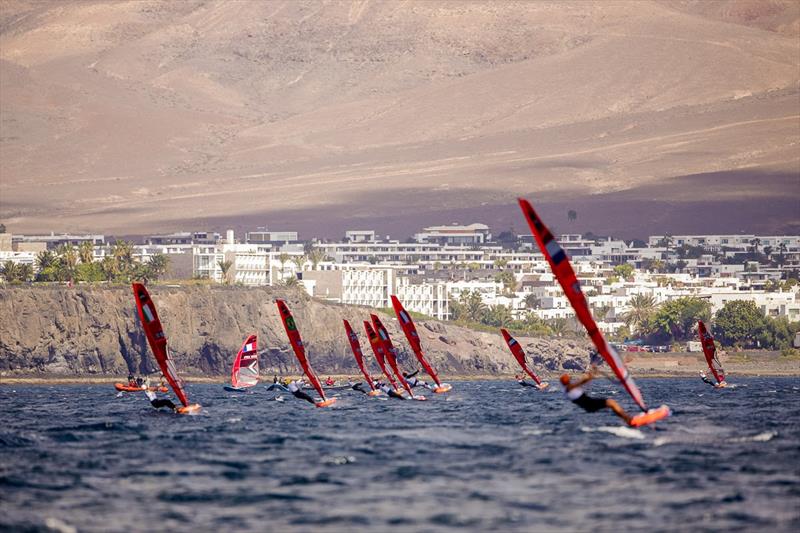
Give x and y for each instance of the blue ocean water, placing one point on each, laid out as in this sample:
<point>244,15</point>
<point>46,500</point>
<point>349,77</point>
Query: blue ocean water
<point>489,456</point>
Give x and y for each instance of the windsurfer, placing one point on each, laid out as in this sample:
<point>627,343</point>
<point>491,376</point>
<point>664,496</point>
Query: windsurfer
<point>413,381</point>
<point>389,391</point>
<point>576,394</point>
<point>131,380</point>
<point>155,401</point>
<point>521,380</point>
<point>295,388</point>
<point>706,379</point>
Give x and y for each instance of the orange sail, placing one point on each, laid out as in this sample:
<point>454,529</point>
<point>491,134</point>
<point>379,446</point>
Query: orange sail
<point>710,351</point>
<point>158,340</point>
<point>413,337</point>
<point>379,351</point>
<point>519,354</point>
<point>559,264</point>
<point>297,346</point>
<point>357,353</point>
<point>391,352</point>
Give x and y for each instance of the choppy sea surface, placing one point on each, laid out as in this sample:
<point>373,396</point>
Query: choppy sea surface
<point>488,456</point>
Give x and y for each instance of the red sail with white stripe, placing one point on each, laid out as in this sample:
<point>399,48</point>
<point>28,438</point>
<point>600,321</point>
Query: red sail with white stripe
<point>157,340</point>
<point>297,346</point>
<point>710,351</point>
<point>377,348</point>
<point>559,264</point>
<point>391,352</point>
<point>245,366</point>
<point>519,354</point>
<point>413,337</point>
<point>357,353</point>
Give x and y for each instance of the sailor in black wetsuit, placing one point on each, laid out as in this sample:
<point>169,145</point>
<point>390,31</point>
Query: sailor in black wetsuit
<point>155,401</point>
<point>521,381</point>
<point>295,388</point>
<point>357,386</point>
<point>413,381</point>
<point>706,380</point>
<point>389,391</point>
<point>576,395</point>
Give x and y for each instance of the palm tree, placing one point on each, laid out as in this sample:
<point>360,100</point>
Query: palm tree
<point>10,271</point>
<point>158,265</point>
<point>755,243</point>
<point>225,266</point>
<point>69,260</point>
<point>25,272</point>
<point>283,258</point>
<point>558,326</point>
<point>657,265</point>
<point>499,315</point>
<point>45,259</point>
<point>316,256</point>
<point>291,281</point>
<point>532,302</point>
<point>122,252</point>
<point>86,252</point>
<point>642,309</point>
<point>299,261</point>
<point>781,253</point>
<point>572,215</point>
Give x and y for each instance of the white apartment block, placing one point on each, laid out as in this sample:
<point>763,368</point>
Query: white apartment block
<point>428,298</point>
<point>473,234</point>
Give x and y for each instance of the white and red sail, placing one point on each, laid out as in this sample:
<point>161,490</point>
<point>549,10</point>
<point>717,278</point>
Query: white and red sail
<point>559,264</point>
<point>519,354</point>
<point>413,338</point>
<point>297,346</point>
<point>158,340</point>
<point>390,351</point>
<point>379,351</point>
<point>357,353</point>
<point>710,351</point>
<point>245,366</point>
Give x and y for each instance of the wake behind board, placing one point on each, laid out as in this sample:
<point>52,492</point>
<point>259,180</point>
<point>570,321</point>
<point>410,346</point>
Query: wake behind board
<point>192,409</point>
<point>326,403</point>
<point>653,415</point>
<point>234,389</point>
<point>444,387</point>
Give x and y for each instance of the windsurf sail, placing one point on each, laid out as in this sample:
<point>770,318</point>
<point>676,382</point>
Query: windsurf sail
<point>157,340</point>
<point>413,337</point>
<point>519,354</point>
<point>559,264</point>
<point>245,366</point>
<point>357,353</point>
<point>390,351</point>
<point>710,351</point>
<point>377,348</point>
<point>297,346</point>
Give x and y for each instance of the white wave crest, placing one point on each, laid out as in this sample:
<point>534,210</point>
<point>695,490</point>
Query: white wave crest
<point>761,437</point>
<point>619,431</point>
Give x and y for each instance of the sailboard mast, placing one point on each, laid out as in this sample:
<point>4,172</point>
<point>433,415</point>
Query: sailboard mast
<point>519,354</point>
<point>410,331</point>
<point>710,351</point>
<point>357,353</point>
<point>158,340</point>
<point>245,366</point>
<point>377,348</point>
<point>297,346</point>
<point>559,264</point>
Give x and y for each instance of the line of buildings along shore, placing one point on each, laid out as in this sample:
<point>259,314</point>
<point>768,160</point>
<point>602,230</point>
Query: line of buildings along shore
<point>438,264</point>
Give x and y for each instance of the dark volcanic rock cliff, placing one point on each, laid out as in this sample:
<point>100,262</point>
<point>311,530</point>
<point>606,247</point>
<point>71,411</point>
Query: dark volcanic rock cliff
<point>94,330</point>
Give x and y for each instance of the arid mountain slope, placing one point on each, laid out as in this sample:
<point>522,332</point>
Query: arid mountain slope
<point>144,116</point>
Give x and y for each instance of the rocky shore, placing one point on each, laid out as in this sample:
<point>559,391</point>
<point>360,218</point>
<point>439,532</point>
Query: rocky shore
<point>91,331</point>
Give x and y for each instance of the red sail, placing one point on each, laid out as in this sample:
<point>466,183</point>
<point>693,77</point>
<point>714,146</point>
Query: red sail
<point>297,346</point>
<point>378,350</point>
<point>245,366</point>
<point>710,351</point>
<point>519,354</point>
<point>413,338</point>
<point>391,352</point>
<point>157,340</point>
<point>357,353</point>
<point>563,271</point>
